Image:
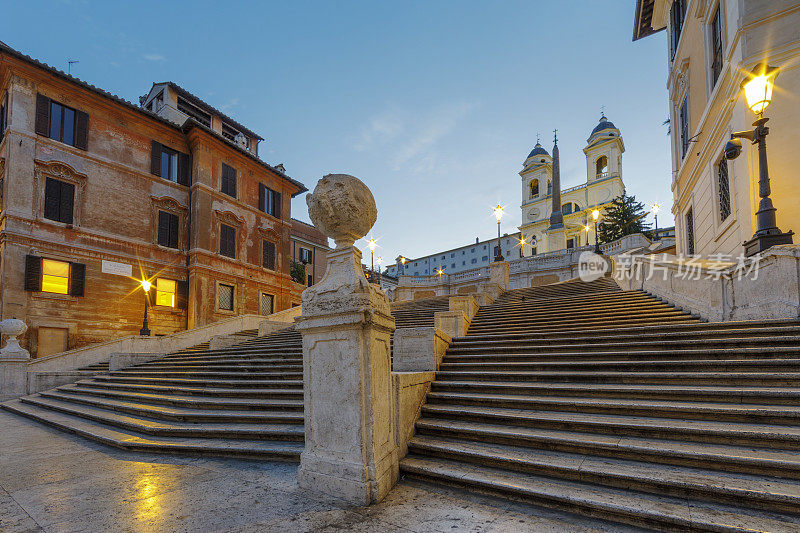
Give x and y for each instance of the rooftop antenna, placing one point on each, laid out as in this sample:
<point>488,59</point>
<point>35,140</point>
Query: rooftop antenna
<point>602,111</point>
<point>71,62</point>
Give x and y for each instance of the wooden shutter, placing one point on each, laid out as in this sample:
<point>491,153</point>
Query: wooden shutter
<point>276,204</point>
<point>173,231</point>
<point>228,180</point>
<point>155,159</point>
<point>33,273</point>
<point>81,130</point>
<point>77,279</point>
<point>52,199</point>
<point>163,228</point>
<point>42,115</point>
<point>184,169</point>
<point>268,255</point>
<point>262,191</point>
<point>67,202</point>
<point>4,117</point>
<point>182,298</point>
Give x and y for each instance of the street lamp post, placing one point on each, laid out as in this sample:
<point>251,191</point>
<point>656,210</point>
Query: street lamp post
<point>372,244</point>
<point>498,214</point>
<point>145,331</point>
<point>595,216</point>
<point>656,208</point>
<point>757,88</point>
<point>380,262</point>
<point>587,228</point>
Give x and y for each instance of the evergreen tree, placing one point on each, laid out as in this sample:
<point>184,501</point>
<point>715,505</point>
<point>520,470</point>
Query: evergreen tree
<point>623,217</point>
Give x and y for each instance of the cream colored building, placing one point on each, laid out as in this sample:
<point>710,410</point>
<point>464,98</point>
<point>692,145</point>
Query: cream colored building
<point>603,152</point>
<point>712,44</point>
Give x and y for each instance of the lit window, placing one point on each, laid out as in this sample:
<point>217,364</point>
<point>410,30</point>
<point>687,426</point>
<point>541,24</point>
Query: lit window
<point>165,292</point>
<point>55,276</point>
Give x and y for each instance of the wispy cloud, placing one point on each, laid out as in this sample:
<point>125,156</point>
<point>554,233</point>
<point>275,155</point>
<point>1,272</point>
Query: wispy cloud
<point>413,138</point>
<point>230,103</point>
<point>154,57</point>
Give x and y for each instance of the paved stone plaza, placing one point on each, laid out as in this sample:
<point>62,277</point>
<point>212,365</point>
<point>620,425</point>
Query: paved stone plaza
<point>51,481</point>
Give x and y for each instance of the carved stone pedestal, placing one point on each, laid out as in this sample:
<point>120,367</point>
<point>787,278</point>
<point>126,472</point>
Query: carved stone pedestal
<point>13,361</point>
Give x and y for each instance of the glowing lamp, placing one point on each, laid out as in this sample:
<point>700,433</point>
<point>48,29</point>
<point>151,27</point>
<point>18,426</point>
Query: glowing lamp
<point>498,212</point>
<point>758,87</point>
<point>372,244</point>
<point>146,285</point>
<point>656,208</point>
<point>595,214</point>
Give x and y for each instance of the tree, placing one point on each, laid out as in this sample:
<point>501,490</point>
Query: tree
<point>297,271</point>
<point>624,216</point>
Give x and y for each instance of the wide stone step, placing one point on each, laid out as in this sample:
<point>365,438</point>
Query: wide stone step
<point>227,361</point>
<point>727,457</point>
<point>132,441</point>
<point>633,508</point>
<point>700,431</point>
<point>233,366</point>
<point>566,300</point>
<point>791,379</point>
<point>187,401</point>
<point>256,374</point>
<point>146,425</point>
<point>696,410</point>
<point>538,327</point>
<point>293,393</point>
<point>750,360</point>
<point>161,412</point>
<point>757,492</point>
<point>223,383</point>
<point>619,317</point>
<point>728,394</point>
<point>538,312</point>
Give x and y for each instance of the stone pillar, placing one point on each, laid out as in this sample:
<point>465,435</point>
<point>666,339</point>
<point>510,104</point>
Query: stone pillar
<point>351,447</point>
<point>498,273</point>
<point>13,361</point>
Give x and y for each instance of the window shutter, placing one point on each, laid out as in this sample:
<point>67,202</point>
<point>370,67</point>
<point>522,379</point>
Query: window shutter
<point>183,294</point>
<point>33,273</point>
<point>261,193</point>
<point>52,199</point>
<point>4,117</point>
<point>163,228</point>
<point>67,201</point>
<point>276,204</point>
<point>77,279</point>
<point>42,115</point>
<point>268,252</point>
<point>81,130</point>
<point>184,169</point>
<point>173,231</point>
<point>155,159</point>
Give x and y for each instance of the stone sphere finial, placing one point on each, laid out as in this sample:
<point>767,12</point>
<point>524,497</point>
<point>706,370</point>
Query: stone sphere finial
<point>342,208</point>
<point>12,327</point>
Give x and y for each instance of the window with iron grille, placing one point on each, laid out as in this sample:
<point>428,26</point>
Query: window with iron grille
<point>690,233</point>
<point>716,46</point>
<point>677,13</point>
<point>267,304</point>
<point>684,126</point>
<point>227,240</point>
<point>724,187</point>
<point>225,297</point>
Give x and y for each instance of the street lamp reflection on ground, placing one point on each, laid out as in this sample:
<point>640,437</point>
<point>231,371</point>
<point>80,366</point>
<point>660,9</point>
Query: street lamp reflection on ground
<point>145,331</point>
<point>595,216</point>
<point>498,214</point>
<point>757,87</point>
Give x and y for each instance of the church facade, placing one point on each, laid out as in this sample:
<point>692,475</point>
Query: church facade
<point>554,218</point>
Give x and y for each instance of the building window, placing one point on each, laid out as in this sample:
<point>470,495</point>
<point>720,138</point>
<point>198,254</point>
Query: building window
<point>716,46</point>
<point>167,229</point>
<point>268,254</point>
<point>549,187</point>
<point>676,15</point>
<point>3,115</point>
<point>193,111</point>
<point>723,185</point>
<point>473,261</point>
<point>227,240</point>
<point>267,304</point>
<point>306,256</point>
<point>225,297</point>
<point>310,280</point>
<point>55,276</point>
<point>228,180</point>
<point>169,164</point>
<point>453,265</point>
<point>485,258</point>
<point>61,123</point>
<point>534,192</point>
<point>601,166</point>
<point>269,201</point>
<point>684,126</point>
<point>533,251</point>
<point>166,290</point>
<point>690,233</point>
<point>59,197</point>
<point>570,243</point>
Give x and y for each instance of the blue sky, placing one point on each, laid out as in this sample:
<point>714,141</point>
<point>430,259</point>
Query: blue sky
<point>434,105</point>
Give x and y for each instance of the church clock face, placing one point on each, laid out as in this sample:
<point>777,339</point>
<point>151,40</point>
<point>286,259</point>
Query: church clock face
<point>533,214</point>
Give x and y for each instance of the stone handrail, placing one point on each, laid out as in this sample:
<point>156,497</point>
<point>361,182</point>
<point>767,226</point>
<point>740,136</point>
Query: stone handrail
<point>96,353</point>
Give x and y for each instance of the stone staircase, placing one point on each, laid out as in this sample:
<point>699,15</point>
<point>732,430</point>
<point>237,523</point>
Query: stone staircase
<point>418,313</point>
<point>612,404</point>
<point>241,401</point>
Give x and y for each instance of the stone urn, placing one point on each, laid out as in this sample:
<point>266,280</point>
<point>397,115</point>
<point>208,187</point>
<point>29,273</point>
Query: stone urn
<point>13,328</point>
<point>342,208</point>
